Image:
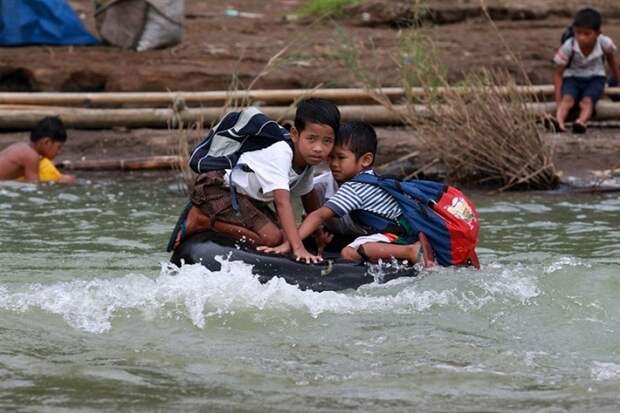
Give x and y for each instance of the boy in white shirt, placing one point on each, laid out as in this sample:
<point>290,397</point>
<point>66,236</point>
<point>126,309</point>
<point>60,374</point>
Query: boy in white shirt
<point>268,175</point>
<point>579,76</point>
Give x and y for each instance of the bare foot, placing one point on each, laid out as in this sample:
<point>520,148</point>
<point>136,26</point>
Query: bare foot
<point>196,221</point>
<point>413,252</point>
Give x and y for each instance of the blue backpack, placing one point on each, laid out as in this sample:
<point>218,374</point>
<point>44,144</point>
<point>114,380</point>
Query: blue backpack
<point>443,213</point>
<point>236,133</point>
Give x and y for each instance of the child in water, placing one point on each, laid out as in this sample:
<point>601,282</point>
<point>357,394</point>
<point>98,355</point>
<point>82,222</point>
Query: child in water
<point>32,161</point>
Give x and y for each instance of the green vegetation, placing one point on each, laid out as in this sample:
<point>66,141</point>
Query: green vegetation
<point>419,61</point>
<point>324,8</point>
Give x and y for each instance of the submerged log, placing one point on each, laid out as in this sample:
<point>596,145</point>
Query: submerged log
<point>133,164</point>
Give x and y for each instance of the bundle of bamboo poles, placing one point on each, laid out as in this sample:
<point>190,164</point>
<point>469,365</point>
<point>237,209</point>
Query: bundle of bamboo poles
<point>15,117</point>
<point>217,98</point>
<point>160,110</point>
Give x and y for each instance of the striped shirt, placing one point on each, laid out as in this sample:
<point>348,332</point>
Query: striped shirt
<point>366,197</point>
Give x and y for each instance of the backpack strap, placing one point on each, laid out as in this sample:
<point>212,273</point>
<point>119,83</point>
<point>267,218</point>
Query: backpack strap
<point>572,52</point>
<point>375,222</point>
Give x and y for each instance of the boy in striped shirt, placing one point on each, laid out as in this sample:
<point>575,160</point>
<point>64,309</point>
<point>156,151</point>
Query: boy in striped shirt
<point>353,154</point>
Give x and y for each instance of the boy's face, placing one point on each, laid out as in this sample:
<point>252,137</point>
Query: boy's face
<point>345,165</point>
<point>48,148</point>
<point>586,37</point>
<point>314,143</point>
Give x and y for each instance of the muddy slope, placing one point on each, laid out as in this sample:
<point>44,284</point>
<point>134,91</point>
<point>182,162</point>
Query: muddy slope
<point>217,48</point>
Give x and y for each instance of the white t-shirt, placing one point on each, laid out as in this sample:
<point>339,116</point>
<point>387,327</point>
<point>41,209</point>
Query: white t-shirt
<point>584,66</point>
<point>272,168</point>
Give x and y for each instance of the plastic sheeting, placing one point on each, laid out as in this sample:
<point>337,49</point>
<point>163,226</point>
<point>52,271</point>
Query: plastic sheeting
<point>140,24</point>
<point>51,22</point>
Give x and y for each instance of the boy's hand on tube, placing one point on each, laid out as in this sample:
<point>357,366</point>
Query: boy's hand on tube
<point>302,255</point>
<point>283,248</point>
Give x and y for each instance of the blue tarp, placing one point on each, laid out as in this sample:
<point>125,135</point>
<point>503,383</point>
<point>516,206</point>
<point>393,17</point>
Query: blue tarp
<point>52,22</point>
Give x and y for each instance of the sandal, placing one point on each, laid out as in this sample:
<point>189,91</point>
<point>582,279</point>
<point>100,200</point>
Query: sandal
<point>579,128</point>
<point>179,228</point>
<point>425,253</point>
<point>552,125</point>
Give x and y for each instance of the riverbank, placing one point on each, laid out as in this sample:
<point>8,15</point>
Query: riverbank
<point>582,159</point>
<point>217,48</point>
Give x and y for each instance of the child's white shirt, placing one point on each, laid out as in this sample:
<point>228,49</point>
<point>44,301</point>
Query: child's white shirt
<point>584,66</point>
<point>272,168</point>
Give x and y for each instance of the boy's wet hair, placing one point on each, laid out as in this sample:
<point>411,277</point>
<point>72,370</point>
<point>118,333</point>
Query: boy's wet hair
<point>359,137</point>
<point>49,127</point>
<point>588,18</point>
<point>315,110</point>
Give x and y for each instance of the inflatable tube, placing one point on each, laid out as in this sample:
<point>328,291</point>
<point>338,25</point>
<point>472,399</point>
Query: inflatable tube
<point>333,274</point>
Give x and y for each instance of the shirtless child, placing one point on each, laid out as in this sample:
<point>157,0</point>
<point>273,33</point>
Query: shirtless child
<point>32,161</point>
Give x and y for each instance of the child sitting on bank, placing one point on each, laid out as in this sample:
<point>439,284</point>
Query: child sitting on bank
<point>580,77</point>
<point>267,175</point>
<point>354,154</point>
<point>32,161</point>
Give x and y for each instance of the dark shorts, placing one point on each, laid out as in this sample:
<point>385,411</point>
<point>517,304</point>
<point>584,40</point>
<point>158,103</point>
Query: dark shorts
<point>213,199</point>
<point>581,87</point>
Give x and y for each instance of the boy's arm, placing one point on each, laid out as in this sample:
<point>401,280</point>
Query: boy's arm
<point>314,221</point>
<point>67,179</point>
<point>30,163</point>
<point>311,202</point>
<point>310,224</point>
<point>613,65</point>
<point>282,200</point>
<point>558,79</point>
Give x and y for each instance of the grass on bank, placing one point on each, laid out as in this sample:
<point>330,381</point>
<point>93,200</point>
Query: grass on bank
<point>482,133</point>
<point>322,8</point>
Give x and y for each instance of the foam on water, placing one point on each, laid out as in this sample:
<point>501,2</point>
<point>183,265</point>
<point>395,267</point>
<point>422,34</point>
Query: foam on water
<point>606,371</point>
<point>197,293</point>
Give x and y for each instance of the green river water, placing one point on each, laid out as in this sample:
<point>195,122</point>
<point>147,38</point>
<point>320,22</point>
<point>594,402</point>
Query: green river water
<point>93,319</point>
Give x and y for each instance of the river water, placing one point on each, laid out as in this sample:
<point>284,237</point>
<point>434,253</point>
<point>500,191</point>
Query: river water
<point>93,319</point>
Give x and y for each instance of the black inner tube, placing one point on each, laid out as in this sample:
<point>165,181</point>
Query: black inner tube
<point>333,274</point>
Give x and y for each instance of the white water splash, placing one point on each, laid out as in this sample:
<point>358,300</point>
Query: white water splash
<point>194,292</point>
<point>512,282</point>
<point>564,262</point>
<point>605,371</point>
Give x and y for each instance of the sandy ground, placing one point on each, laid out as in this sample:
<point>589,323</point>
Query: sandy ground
<point>216,48</point>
